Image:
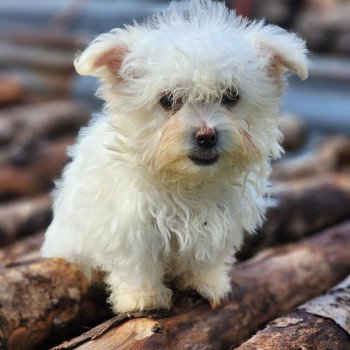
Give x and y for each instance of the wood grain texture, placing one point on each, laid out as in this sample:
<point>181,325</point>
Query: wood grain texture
<point>299,330</point>
<point>319,324</point>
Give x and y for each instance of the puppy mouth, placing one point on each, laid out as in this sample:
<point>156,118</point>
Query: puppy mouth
<point>204,159</point>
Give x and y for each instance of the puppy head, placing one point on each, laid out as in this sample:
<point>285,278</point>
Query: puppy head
<point>194,92</point>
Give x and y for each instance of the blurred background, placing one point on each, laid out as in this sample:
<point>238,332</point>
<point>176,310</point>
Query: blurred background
<point>43,102</point>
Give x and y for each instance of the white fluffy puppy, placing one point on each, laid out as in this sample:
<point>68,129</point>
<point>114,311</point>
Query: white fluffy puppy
<point>163,185</point>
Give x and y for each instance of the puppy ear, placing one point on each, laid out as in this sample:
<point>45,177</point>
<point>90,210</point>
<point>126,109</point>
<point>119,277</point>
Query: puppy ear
<point>103,57</point>
<point>286,50</point>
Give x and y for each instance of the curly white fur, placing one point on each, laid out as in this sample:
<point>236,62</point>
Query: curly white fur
<point>131,202</point>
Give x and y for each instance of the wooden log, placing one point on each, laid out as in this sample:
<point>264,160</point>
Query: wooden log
<point>322,323</point>
<point>23,217</point>
<point>22,250</point>
<point>11,91</point>
<point>303,207</point>
<point>267,286</point>
<point>331,155</point>
<point>33,168</point>
<point>23,124</point>
<point>45,300</point>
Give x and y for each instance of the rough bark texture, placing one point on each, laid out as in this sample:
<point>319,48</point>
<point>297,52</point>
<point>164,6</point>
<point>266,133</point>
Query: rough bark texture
<point>24,124</point>
<point>303,207</point>
<point>33,168</point>
<point>43,301</point>
<point>23,217</point>
<point>299,330</point>
<point>335,305</point>
<point>320,324</point>
<point>264,287</point>
<point>331,155</point>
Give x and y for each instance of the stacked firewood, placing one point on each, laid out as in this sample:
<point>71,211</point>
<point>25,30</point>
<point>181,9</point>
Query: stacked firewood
<point>282,296</point>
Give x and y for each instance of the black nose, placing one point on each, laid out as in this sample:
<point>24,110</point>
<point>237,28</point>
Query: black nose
<point>206,137</point>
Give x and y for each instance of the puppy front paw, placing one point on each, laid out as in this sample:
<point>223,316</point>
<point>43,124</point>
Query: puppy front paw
<point>129,300</point>
<point>213,286</point>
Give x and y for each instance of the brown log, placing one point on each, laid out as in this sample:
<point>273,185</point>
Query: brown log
<point>33,168</point>
<point>322,323</point>
<point>303,207</point>
<point>43,301</point>
<point>23,124</point>
<point>331,155</point>
<point>22,250</point>
<point>267,286</point>
<point>11,91</point>
<point>23,217</point>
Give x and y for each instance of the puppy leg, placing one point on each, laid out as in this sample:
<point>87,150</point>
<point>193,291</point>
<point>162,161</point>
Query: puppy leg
<point>210,281</point>
<point>137,289</point>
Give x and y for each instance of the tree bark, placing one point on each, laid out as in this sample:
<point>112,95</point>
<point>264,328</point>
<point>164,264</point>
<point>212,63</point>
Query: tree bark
<point>24,124</point>
<point>264,287</point>
<point>45,300</point>
<point>323,323</point>
<point>331,155</point>
<point>33,168</point>
<point>304,206</point>
<point>23,217</point>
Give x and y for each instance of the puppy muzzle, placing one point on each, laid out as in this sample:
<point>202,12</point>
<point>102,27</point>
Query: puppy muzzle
<point>205,151</point>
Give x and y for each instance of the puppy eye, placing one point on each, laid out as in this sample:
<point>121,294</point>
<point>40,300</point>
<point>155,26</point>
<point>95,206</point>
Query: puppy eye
<point>168,102</point>
<point>229,98</point>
